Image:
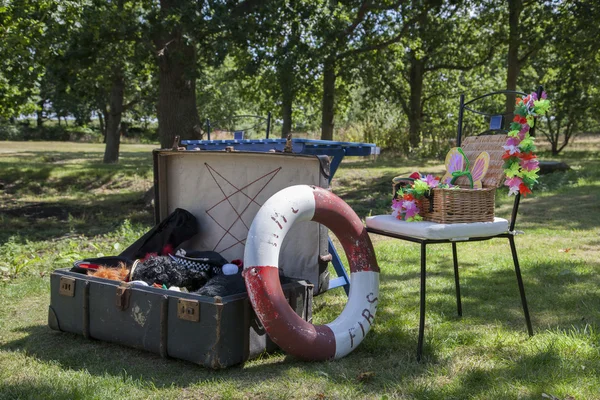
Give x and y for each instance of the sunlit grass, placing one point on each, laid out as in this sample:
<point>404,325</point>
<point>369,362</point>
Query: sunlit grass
<point>60,203</point>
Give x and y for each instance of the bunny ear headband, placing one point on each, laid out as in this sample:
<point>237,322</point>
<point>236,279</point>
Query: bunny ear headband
<point>457,165</point>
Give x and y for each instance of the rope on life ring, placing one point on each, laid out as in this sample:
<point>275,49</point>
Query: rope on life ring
<point>261,272</point>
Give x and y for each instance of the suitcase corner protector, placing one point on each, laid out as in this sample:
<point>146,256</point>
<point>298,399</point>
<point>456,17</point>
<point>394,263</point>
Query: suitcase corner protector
<point>53,319</point>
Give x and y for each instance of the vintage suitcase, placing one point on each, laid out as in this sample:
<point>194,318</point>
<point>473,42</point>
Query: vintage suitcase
<point>225,190</point>
<point>215,332</point>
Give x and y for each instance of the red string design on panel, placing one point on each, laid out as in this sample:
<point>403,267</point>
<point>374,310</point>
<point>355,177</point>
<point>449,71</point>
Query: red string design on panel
<point>223,183</point>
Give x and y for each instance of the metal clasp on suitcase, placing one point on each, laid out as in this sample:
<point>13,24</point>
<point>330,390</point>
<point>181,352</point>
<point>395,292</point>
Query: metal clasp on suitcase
<point>66,286</point>
<point>122,297</point>
<point>188,310</point>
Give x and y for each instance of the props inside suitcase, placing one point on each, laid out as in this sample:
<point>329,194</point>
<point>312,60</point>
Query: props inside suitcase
<point>161,264</point>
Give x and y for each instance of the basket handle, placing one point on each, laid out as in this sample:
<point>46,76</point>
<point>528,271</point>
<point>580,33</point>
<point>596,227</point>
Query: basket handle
<point>399,182</point>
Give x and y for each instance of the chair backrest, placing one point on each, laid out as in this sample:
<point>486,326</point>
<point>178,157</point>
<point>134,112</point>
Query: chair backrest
<point>491,110</point>
<point>498,118</point>
<point>492,144</point>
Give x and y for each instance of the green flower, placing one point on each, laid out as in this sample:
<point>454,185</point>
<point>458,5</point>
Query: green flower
<point>521,110</point>
<point>514,133</point>
<point>515,126</point>
<point>530,177</point>
<point>513,170</point>
<point>527,145</point>
<point>541,106</point>
<point>420,187</point>
<point>530,121</point>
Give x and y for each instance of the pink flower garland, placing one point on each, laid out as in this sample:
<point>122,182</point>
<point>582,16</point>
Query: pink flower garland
<point>521,164</point>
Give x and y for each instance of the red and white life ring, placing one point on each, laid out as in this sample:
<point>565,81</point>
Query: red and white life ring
<point>261,257</point>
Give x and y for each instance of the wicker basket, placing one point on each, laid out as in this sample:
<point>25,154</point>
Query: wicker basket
<point>451,206</point>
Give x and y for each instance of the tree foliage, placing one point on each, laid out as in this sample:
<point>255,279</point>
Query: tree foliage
<point>388,71</point>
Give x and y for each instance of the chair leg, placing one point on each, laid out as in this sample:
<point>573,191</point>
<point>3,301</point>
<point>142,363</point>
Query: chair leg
<point>422,307</point>
<point>513,250</point>
<point>456,280</point>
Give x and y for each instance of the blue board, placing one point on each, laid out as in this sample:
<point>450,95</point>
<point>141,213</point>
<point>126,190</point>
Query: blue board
<point>496,122</point>
<point>238,135</point>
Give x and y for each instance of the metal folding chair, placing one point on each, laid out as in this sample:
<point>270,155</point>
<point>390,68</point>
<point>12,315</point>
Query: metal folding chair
<point>426,233</point>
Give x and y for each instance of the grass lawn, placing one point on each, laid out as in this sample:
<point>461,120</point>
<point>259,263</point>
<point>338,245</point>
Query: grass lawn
<point>59,203</point>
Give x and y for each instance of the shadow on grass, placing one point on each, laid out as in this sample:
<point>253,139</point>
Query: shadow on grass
<point>389,350</point>
<point>390,366</point>
<point>47,221</point>
<point>577,208</point>
<point>34,175</point>
<point>553,290</point>
<point>542,372</point>
<point>74,352</point>
<point>38,390</point>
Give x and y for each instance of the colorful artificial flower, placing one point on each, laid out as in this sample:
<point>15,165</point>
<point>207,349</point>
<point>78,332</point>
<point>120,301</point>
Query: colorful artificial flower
<point>420,187</point>
<point>407,205</point>
<point>410,209</point>
<point>524,189</point>
<point>530,165</point>
<point>513,184</point>
<point>512,149</point>
<point>432,181</point>
<point>397,207</point>
<point>520,162</point>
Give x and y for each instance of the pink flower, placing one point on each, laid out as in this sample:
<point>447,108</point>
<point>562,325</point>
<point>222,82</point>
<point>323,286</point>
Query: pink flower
<point>431,181</point>
<point>513,141</point>
<point>397,207</point>
<point>530,164</point>
<point>513,185</point>
<point>515,181</point>
<point>523,131</point>
<point>512,149</point>
<point>411,209</point>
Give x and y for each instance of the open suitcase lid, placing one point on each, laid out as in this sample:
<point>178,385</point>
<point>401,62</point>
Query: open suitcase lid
<point>225,190</point>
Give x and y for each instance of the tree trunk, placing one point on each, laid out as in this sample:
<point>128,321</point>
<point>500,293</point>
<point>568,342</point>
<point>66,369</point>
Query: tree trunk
<point>40,113</point>
<point>113,122</point>
<point>515,7</point>
<point>102,126</point>
<point>286,112</point>
<point>176,109</point>
<point>106,117</point>
<point>287,100</point>
<point>417,71</point>
<point>287,74</point>
<point>328,104</point>
<point>553,135</point>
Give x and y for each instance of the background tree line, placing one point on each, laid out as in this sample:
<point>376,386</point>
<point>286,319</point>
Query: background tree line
<point>384,71</point>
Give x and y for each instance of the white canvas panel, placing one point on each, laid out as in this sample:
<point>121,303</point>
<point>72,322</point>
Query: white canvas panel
<point>224,191</point>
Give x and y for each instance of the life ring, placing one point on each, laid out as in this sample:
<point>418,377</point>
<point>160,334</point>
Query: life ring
<point>261,257</point>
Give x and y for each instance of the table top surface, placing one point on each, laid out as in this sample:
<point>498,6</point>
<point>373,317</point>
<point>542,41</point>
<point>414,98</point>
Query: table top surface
<point>300,146</point>
<point>313,142</point>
